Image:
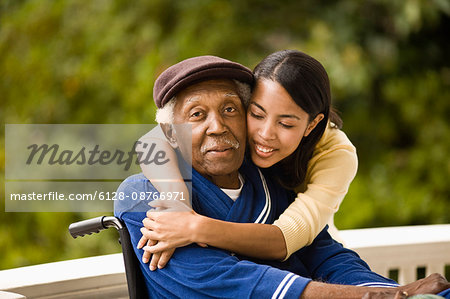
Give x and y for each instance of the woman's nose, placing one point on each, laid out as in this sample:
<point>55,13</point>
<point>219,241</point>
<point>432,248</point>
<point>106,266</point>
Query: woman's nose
<point>266,131</point>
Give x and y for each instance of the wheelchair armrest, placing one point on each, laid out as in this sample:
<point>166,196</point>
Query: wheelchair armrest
<point>94,225</point>
<point>135,278</point>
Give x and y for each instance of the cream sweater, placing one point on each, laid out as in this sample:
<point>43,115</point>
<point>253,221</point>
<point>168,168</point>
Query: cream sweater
<point>330,172</point>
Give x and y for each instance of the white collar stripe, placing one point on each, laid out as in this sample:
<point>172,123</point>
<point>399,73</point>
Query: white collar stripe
<point>266,191</point>
<point>266,210</point>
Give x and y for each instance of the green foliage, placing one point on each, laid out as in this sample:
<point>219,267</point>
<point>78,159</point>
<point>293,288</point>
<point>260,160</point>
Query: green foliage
<point>71,61</point>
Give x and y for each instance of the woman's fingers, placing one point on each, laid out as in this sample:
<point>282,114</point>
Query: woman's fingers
<point>149,234</point>
<point>147,254</point>
<point>149,224</point>
<point>142,241</point>
<point>160,204</point>
<point>154,261</point>
<point>168,206</point>
<point>146,257</point>
<point>160,246</point>
<point>159,259</point>
<point>165,257</point>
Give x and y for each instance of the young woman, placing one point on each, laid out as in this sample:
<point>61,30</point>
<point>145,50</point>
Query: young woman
<point>295,135</point>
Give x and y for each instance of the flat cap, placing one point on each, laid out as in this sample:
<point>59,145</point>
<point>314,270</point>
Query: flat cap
<point>194,70</point>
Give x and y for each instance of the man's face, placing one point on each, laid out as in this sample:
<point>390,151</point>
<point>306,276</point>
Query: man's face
<point>217,116</point>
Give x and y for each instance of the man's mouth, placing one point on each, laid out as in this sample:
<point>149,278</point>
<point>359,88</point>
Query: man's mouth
<point>219,145</point>
<point>219,149</point>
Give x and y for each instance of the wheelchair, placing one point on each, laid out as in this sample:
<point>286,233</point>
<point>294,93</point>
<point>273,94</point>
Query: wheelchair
<point>135,278</point>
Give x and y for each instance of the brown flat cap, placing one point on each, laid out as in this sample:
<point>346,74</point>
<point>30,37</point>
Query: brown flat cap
<point>193,70</point>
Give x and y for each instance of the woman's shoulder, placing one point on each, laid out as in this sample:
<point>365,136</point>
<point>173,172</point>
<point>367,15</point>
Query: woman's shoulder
<point>333,138</point>
<point>334,153</point>
<point>334,144</point>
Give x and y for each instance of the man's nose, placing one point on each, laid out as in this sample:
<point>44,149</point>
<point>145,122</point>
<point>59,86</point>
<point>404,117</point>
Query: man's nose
<point>216,125</point>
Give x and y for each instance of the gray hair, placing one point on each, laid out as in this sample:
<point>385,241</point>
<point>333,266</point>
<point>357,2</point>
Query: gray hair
<point>165,114</point>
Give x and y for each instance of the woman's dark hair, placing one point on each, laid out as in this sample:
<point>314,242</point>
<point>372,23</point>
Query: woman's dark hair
<point>306,81</point>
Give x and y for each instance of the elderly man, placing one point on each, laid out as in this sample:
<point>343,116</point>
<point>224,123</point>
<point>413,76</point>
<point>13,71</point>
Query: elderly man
<point>206,92</point>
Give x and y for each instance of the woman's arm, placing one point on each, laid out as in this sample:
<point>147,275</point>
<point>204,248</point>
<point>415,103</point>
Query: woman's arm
<point>329,175</point>
<point>166,177</point>
<point>263,241</point>
<point>177,229</point>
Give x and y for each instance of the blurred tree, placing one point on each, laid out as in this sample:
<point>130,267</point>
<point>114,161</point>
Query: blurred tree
<point>71,61</point>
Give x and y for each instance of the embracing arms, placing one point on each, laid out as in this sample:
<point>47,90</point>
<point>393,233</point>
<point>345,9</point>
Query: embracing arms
<point>175,228</point>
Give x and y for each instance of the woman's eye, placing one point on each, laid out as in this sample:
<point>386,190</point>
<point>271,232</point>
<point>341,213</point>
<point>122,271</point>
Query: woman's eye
<point>286,126</point>
<point>257,116</point>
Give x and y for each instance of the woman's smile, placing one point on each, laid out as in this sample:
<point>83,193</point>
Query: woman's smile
<point>263,151</point>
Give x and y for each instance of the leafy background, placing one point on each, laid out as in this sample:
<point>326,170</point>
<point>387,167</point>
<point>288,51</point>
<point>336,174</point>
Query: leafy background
<point>73,61</point>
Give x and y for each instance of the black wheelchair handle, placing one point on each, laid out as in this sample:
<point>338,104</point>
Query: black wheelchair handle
<point>94,225</point>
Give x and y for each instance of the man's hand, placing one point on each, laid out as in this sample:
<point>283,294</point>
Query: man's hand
<point>431,284</point>
<point>385,295</point>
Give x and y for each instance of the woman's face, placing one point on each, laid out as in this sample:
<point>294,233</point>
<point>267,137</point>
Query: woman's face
<point>275,123</point>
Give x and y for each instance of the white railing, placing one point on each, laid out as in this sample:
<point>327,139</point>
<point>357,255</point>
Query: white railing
<point>404,251</point>
<point>93,277</point>
<point>387,250</point>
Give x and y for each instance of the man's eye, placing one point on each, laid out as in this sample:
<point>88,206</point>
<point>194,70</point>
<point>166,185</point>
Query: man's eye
<point>230,109</point>
<point>196,114</point>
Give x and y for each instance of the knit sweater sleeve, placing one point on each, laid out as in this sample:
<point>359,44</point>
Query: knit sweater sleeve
<point>330,172</point>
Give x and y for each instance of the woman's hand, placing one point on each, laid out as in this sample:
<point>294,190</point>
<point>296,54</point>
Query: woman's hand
<point>158,260</point>
<point>171,224</point>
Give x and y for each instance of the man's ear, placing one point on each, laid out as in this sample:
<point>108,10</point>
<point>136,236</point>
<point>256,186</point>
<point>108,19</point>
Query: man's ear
<point>313,124</point>
<point>169,132</point>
